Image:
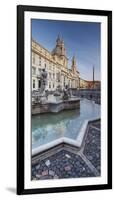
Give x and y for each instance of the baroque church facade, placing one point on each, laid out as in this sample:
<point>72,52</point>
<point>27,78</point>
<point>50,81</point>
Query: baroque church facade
<point>55,64</point>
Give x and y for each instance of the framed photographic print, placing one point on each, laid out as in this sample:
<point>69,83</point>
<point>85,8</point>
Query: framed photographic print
<point>64,99</point>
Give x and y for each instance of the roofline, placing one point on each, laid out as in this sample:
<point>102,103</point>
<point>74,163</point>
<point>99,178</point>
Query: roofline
<point>41,45</point>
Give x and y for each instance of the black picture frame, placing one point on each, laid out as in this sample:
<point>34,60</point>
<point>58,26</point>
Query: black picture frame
<point>20,99</point>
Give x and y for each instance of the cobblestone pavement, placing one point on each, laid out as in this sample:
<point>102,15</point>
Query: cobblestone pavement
<point>92,145</point>
<point>68,163</point>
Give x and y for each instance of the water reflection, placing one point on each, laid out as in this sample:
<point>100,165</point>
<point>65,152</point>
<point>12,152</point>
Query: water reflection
<point>51,126</point>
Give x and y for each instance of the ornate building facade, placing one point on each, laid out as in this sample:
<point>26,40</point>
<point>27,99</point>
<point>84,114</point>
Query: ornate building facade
<point>56,65</point>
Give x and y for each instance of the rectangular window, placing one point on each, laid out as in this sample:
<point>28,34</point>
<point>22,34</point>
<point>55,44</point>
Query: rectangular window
<point>33,83</point>
<point>49,85</point>
<point>49,75</point>
<point>58,77</point>
<point>33,70</point>
<point>39,84</point>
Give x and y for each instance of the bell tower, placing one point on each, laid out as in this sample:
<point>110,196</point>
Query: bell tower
<point>60,51</point>
<point>74,66</point>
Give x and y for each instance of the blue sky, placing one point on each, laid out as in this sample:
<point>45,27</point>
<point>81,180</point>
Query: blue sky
<point>81,39</point>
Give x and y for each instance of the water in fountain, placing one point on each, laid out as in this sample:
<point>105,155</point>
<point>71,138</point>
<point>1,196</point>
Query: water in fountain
<point>50,126</point>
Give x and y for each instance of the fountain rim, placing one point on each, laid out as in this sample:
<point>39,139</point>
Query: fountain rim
<point>76,143</point>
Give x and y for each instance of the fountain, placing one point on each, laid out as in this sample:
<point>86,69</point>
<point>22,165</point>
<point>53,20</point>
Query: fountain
<point>45,102</point>
<point>54,127</point>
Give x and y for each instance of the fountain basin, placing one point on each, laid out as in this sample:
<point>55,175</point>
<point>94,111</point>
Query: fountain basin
<point>66,127</point>
<point>64,140</point>
<point>55,106</point>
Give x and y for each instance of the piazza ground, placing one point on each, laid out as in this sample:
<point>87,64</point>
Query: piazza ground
<point>65,161</point>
